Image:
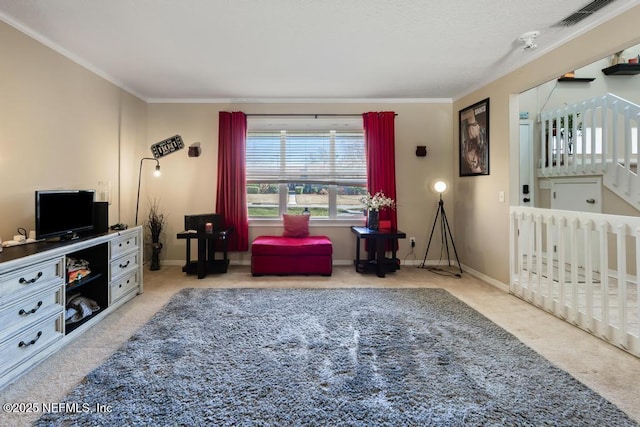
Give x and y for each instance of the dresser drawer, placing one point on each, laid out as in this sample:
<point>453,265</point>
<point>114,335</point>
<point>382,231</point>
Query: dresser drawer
<point>26,343</point>
<point>31,309</point>
<point>124,265</point>
<point>124,244</point>
<point>31,278</point>
<point>122,287</point>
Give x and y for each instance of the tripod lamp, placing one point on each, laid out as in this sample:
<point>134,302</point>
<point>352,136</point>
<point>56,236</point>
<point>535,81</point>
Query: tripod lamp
<point>156,173</point>
<point>445,232</point>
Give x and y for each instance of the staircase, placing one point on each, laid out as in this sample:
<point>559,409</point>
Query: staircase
<point>598,136</point>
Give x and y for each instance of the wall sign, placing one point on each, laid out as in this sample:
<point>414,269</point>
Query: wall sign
<point>167,146</point>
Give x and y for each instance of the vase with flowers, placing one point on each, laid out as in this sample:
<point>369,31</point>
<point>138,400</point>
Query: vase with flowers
<point>373,205</point>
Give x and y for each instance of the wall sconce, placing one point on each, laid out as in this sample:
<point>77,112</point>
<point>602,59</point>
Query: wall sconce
<point>421,151</point>
<point>195,150</point>
<point>156,173</point>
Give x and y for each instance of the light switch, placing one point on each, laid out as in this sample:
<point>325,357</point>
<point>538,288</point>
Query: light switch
<point>501,196</point>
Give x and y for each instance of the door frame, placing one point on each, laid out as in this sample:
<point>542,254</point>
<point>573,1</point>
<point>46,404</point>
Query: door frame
<point>526,161</point>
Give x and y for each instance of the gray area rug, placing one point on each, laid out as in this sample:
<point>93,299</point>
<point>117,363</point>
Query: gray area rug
<point>330,357</point>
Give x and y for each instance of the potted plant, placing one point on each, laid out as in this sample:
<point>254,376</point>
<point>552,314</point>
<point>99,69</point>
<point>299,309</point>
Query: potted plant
<point>155,225</point>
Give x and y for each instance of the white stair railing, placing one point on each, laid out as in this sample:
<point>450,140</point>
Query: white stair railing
<point>551,267</point>
<point>598,136</point>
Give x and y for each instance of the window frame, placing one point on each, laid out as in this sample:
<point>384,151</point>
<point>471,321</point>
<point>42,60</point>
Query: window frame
<point>332,217</point>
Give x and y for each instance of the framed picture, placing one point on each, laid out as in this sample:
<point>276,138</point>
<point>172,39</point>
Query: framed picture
<point>474,139</point>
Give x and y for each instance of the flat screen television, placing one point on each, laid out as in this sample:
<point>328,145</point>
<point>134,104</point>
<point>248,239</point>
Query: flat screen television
<point>63,213</point>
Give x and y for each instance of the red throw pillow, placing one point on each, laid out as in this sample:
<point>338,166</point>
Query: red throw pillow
<point>296,225</point>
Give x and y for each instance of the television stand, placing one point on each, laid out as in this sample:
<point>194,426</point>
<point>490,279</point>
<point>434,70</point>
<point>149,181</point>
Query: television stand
<point>36,292</point>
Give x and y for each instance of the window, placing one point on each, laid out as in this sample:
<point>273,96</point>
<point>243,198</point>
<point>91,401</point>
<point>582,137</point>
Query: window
<point>295,170</point>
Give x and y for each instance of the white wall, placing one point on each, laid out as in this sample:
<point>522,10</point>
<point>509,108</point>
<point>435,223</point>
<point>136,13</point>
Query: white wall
<point>62,127</point>
<point>188,185</point>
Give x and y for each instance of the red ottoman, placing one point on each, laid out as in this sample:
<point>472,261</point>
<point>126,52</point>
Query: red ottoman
<point>291,255</point>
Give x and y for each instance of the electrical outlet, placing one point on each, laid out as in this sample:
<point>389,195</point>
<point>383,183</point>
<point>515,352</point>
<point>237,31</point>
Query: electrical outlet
<point>412,240</point>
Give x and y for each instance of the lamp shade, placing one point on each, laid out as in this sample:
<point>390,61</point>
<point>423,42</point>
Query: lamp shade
<point>440,186</point>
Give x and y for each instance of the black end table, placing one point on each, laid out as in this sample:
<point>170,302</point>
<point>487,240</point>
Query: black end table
<point>206,262</point>
<point>377,241</point>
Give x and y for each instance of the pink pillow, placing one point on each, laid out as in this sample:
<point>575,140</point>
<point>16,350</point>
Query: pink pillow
<point>296,225</point>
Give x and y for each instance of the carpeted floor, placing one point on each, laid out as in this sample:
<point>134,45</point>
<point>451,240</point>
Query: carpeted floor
<point>329,357</point>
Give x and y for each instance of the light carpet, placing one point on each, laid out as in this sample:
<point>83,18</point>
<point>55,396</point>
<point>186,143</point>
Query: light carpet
<point>329,357</point>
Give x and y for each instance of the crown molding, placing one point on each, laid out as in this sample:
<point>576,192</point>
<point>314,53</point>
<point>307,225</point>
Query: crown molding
<point>300,101</point>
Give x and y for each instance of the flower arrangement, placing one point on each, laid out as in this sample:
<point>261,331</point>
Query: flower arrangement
<point>377,201</point>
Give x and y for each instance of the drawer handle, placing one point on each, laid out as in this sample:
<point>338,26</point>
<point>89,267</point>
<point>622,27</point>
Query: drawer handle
<point>125,265</point>
<point>33,310</point>
<point>23,280</point>
<point>32,342</point>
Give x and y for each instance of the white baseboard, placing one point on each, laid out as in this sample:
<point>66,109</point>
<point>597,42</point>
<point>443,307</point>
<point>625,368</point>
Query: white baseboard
<point>485,278</point>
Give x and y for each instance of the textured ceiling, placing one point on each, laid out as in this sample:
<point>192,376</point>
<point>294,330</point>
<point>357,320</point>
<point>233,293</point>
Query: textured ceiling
<point>238,50</point>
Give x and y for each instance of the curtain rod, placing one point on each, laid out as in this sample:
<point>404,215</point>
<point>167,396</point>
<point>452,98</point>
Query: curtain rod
<point>306,115</point>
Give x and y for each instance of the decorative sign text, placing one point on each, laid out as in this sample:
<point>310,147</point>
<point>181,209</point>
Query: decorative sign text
<point>167,146</point>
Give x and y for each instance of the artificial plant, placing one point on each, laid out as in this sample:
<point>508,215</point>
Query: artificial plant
<point>156,221</point>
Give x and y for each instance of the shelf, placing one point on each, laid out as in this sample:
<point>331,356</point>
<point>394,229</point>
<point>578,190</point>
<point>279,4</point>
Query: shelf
<point>70,327</point>
<point>622,70</point>
<point>576,79</point>
<point>370,266</point>
<point>216,266</point>
<point>81,282</point>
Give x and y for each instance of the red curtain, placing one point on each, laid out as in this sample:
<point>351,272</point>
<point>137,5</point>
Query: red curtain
<point>379,139</point>
<point>231,199</point>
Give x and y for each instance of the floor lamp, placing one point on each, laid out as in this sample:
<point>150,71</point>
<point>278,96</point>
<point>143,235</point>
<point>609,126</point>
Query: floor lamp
<point>155,173</point>
<point>440,187</point>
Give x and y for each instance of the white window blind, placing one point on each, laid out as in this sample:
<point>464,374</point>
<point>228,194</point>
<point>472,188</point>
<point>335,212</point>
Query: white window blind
<point>327,157</point>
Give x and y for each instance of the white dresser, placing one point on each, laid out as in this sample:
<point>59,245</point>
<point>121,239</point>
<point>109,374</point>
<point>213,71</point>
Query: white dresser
<point>34,293</point>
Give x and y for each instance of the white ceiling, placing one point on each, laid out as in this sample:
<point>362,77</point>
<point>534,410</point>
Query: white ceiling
<point>251,50</point>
